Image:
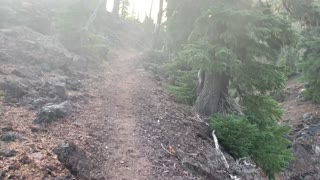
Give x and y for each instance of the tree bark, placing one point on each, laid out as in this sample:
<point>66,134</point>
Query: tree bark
<point>116,8</point>
<point>212,93</point>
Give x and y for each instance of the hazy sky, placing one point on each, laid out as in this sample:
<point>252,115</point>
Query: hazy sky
<point>140,8</point>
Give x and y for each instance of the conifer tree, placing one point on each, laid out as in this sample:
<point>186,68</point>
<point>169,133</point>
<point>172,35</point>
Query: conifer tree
<point>124,8</point>
<point>236,46</point>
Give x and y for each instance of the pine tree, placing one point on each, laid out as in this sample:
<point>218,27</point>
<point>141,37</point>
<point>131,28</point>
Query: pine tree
<point>124,8</point>
<point>236,45</point>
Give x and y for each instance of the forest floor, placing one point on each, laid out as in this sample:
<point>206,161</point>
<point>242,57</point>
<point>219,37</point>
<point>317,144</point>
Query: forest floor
<point>127,126</point>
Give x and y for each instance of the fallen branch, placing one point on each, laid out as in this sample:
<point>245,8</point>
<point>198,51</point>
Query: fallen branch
<point>166,150</point>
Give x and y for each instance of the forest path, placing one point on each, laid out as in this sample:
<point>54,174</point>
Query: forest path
<point>116,151</point>
<point>128,161</point>
<point>106,125</point>
<point>127,122</point>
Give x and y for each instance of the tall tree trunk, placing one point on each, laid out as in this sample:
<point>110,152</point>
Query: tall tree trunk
<point>93,15</point>
<point>116,8</point>
<point>212,92</point>
<point>156,37</point>
<point>150,13</point>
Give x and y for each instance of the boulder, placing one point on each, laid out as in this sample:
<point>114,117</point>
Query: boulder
<point>53,112</point>
<point>74,159</point>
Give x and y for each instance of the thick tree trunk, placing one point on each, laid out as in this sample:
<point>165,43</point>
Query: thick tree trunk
<point>116,8</point>
<point>212,92</point>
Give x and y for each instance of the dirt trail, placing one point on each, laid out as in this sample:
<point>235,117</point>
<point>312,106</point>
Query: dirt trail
<point>123,119</point>
<point>127,161</point>
<point>115,122</point>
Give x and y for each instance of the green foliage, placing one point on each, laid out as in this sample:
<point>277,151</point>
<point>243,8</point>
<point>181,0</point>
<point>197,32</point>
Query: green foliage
<point>289,59</point>
<point>269,147</point>
<point>262,110</point>
<point>310,64</point>
<point>237,39</point>
<point>184,80</point>
<point>236,134</point>
<point>273,151</point>
<point>2,95</point>
<point>184,87</point>
<point>307,12</point>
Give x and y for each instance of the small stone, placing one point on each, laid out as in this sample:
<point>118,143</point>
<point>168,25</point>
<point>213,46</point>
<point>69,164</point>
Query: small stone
<point>35,129</point>
<point>25,160</point>
<point>14,166</point>
<point>73,84</point>
<point>37,157</point>
<point>60,91</point>
<point>9,137</point>
<point>316,150</point>
<point>307,116</point>
<point>8,153</point>
<point>7,128</point>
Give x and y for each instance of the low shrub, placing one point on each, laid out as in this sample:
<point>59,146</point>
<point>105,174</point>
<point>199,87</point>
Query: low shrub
<point>268,147</point>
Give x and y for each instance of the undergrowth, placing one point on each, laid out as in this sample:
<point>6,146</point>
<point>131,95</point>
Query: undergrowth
<point>268,147</point>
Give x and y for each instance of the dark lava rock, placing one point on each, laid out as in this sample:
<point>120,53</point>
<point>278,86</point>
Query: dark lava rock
<point>74,159</point>
<point>9,136</point>
<point>13,89</point>
<point>73,84</point>
<point>52,112</point>
<point>60,91</point>
<point>196,167</point>
<point>25,160</point>
<point>311,119</point>
<point>8,153</point>
<point>7,128</point>
<point>312,130</point>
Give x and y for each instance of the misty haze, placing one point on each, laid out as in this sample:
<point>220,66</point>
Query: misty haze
<point>159,90</point>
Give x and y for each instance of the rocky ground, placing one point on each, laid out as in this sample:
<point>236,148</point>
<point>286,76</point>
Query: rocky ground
<point>40,83</point>
<point>304,118</point>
